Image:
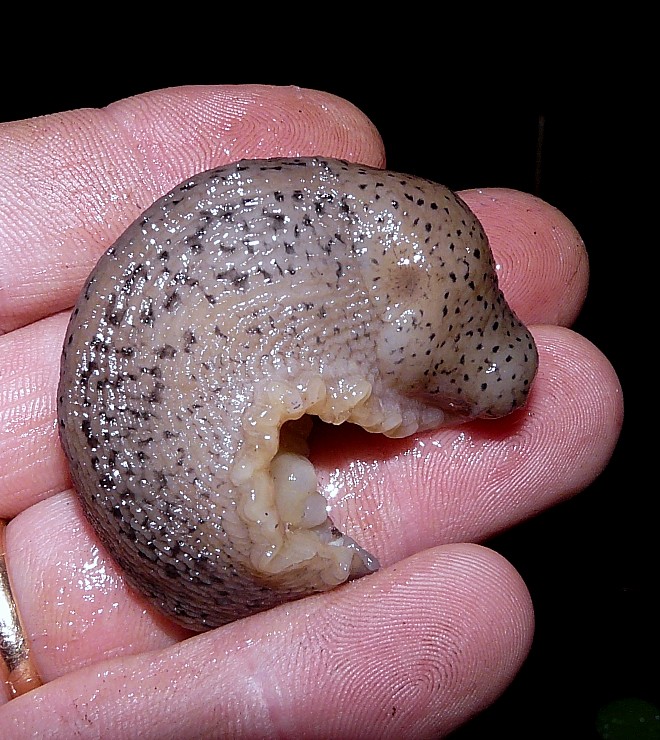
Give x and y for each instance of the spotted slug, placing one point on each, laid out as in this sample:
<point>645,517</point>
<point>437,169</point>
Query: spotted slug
<point>247,300</point>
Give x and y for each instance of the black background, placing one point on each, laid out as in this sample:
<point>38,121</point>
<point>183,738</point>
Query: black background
<point>591,564</point>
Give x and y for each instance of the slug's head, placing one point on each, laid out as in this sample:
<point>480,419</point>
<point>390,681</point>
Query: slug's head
<point>448,338</point>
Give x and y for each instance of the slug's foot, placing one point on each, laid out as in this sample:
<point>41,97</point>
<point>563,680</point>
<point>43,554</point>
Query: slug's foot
<point>295,546</point>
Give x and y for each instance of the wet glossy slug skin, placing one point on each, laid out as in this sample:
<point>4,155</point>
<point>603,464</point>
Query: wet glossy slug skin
<point>249,297</point>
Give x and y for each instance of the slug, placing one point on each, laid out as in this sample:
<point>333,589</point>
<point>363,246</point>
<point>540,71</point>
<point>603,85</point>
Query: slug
<point>245,301</point>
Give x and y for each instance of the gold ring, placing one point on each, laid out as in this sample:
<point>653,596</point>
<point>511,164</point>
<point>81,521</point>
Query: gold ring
<point>21,674</point>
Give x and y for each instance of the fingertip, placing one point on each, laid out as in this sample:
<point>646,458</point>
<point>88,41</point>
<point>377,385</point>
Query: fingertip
<point>542,261</point>
<point>469,483</point>
<point>192,128</point>
<point>578,389</point>
<point>420,647</point>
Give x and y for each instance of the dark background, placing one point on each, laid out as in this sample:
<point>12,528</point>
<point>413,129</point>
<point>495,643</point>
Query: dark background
<point>591,564</point>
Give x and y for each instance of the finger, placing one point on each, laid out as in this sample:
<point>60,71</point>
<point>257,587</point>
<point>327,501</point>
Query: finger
<point>471,482</point>
<point>416,649</point>
<point>395,497</point>
<point>32,464</point>
<point>530,278</point>
<point>542,261</point>
<point>78,179</point>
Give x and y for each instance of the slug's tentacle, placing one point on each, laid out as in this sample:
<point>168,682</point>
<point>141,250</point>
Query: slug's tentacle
<point>247,300</point>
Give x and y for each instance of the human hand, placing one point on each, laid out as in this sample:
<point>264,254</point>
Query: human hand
<point>423,644</point>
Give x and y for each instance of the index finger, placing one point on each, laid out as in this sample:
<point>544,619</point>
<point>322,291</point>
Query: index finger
<point>101,168</point>
<point>75,180</point>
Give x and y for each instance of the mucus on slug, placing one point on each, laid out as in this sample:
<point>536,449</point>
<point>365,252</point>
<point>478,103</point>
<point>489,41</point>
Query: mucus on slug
<point>246,300</point>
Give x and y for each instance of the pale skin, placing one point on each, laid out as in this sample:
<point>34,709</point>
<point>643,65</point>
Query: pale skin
<point>422,645</point>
